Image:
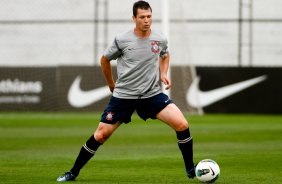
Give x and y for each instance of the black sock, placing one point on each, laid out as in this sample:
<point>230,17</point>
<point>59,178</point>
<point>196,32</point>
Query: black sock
<point>87,151</point>
<point>185,144</point>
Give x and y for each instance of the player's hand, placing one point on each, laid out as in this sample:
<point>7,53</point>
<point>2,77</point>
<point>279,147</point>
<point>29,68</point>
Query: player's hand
<point>112,87</point>
<point>167,82</point>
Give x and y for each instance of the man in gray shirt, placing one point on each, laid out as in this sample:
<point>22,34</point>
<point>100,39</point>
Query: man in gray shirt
<point>137,64</point>
<point>142,60</point>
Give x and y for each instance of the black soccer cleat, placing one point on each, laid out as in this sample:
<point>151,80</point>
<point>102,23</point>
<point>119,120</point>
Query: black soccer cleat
<point>191,173</point>
<point>68,176</point>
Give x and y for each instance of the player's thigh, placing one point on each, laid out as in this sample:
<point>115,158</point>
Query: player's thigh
<point>118,110</point>
<point>172,116</point>
<point>105,130</point>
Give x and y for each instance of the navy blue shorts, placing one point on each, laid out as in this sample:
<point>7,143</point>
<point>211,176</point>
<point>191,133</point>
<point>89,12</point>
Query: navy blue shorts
<point>121,110</point>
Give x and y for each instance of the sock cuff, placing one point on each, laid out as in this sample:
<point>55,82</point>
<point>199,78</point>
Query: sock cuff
<point>88,149</point>
<point>91,144</point>
<point>185,140</point>
<point>184,135</point>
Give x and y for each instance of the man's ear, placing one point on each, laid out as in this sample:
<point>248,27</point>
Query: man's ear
<point>134,18</point>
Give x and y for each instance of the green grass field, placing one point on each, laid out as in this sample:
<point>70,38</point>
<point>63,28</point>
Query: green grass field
<point>38,147</point>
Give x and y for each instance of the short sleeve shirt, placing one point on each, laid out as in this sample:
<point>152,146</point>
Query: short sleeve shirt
<point>137,64</point>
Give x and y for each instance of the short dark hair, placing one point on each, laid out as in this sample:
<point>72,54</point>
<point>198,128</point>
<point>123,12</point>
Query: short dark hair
<point>140,5</point>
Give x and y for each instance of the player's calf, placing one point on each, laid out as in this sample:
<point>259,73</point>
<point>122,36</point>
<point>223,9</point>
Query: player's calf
<point>185,144</point>
<point>87,151</point>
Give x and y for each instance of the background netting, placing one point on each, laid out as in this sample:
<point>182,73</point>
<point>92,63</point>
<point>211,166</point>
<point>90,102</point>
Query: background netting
<point>54,41</point>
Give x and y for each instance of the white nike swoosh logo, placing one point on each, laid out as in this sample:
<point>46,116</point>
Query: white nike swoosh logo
<point>197,98</point>
<point>78,98</point>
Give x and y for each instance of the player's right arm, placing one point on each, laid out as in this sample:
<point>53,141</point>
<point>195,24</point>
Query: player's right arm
<point>107,71</point>
<point>111,53</point>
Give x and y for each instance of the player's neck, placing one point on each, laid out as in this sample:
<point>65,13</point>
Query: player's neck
<point>142,34</point>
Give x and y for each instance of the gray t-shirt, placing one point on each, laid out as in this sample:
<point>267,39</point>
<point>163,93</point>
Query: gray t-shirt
<point>137,64</point>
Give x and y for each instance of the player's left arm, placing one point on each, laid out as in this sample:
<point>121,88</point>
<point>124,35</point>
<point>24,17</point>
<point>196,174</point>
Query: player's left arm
<point>164,64</point>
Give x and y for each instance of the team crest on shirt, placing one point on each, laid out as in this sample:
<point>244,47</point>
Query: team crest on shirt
<point>110,116</point>
<point>155,47</point>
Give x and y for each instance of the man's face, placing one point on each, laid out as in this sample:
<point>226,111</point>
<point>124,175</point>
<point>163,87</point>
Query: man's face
<point>143,20</point>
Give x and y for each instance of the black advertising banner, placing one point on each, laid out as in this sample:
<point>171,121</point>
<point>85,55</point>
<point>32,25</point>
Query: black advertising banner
<point>228,89</point>
<point>28,89</point>
<point>80,88</point>
<point>242,90</point>
<point>53,89</point>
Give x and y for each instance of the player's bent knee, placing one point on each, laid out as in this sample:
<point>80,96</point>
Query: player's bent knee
<point>182,127</point>
<point>101,137</point>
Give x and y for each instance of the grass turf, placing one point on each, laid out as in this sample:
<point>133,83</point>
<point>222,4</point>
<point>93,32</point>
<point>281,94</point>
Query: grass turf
<point>38,147</point>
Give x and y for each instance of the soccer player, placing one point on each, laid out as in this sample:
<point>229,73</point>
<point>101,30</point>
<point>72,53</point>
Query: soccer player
<point>142,61</point>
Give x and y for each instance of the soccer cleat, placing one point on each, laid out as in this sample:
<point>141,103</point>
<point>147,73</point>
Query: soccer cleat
<point>191,173</point>
<point>68,176</point>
